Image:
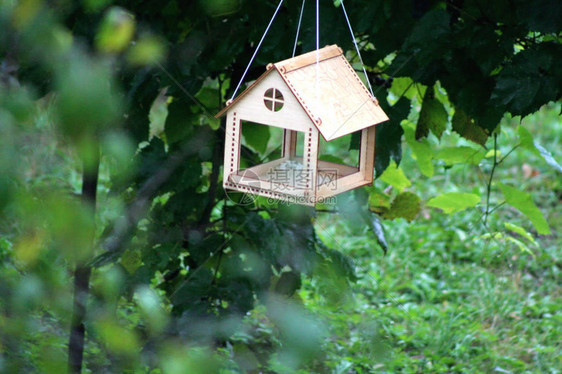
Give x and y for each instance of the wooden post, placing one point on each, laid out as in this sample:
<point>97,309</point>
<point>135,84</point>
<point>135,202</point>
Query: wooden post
<point>231,146</point>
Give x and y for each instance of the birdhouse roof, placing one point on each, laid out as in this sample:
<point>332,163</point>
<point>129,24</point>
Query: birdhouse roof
<point>329,91</point>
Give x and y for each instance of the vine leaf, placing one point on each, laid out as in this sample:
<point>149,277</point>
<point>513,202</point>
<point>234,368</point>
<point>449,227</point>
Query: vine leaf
<point>523,202</point>
<point>453,202</point>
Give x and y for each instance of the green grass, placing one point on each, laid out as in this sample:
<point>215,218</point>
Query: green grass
<point>446,299</point>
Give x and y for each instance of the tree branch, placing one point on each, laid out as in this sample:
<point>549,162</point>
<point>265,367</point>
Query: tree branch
<point>82,272</point>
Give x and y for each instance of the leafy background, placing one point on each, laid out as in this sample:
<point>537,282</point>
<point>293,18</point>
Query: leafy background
<point>119,250</point>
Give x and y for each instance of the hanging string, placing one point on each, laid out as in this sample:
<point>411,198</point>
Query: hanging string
<point>317,47</point>
<point>357,48</point>
<point>257,49</point>
<point>298,29</point>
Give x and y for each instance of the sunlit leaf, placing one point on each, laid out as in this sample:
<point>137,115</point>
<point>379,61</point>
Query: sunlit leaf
<point>522,246</point>
<point>394,176</point>
<point>422,151</point>
<point>462,154</point>
<point>521,231</point>
<point>453,202</point>
<point>148,50</point>
<point>116,30</point>
<point>526,140</point>
<point>523,202</point>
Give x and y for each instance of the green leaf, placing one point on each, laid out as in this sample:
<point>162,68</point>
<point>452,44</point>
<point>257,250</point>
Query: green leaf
<point>430,36</point>
<point>148,50</point>
<point>178,126</point>
<point>462,154</point>
<point>433,116</point>
<point>519,244</point>
<point>421,149</point>
<point>526,140</point>
<point>405,205</point>
<point>116,30</point>
<point>379,202</point>
<point>523,202</point>
<point>256,136</point>
<point>530,80</point>
<point>521,231</point>
<point>467,127</point>
<point>131,260</point>
<point>394,176</point>
<point>453,202</point>
<point>389,135</point>
<point>404,86</point>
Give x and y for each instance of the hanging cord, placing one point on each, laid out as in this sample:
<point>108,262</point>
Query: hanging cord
<point>257,49</point>
<point>298,29</point>
<point>317,47</point>
<point>357,48</point>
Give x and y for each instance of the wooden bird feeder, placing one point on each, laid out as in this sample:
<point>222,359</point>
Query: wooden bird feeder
<point>317,93</point>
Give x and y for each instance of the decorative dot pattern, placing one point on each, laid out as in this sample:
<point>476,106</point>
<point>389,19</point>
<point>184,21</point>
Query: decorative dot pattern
<point>233,144</point>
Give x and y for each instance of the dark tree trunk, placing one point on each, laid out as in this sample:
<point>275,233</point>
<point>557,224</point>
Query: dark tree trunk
<point>82,273</point>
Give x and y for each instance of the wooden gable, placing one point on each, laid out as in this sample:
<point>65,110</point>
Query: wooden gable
<point>250,105</point>
<point>329,93</point>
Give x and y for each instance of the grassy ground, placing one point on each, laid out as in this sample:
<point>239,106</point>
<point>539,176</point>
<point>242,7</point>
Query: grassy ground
<point>446,298</point>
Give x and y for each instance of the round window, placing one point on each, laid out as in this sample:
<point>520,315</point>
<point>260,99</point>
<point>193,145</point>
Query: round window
<point>273,99</point>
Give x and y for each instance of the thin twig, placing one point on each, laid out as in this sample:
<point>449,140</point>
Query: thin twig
<point>489,187</point>
<point>508,153</point>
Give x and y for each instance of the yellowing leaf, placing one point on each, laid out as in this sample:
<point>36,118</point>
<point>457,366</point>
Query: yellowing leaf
<point>453,202</point>
<point>523,202</point>
<point>116,30</point>
<point>131,260</point>
<point>149,50</point>
<point>405,205</point>
<point>394,176</point>
<point>378,201</point>
<point>117,338</point>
